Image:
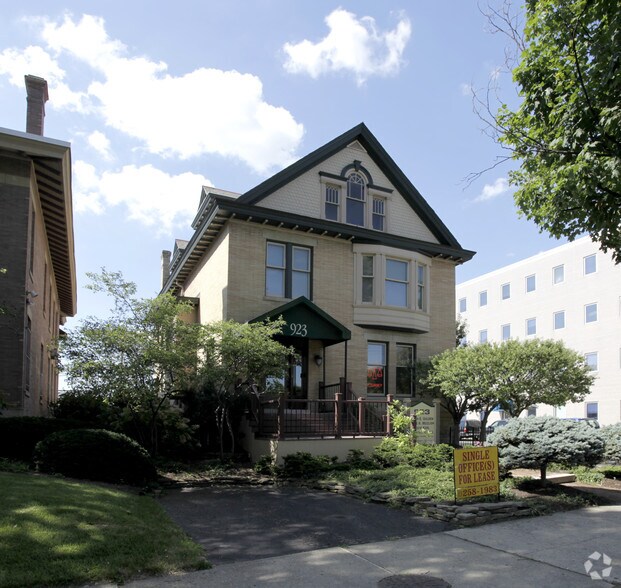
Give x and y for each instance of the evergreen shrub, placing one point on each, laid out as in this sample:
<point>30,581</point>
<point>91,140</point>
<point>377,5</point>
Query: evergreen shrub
<point>95,454</point>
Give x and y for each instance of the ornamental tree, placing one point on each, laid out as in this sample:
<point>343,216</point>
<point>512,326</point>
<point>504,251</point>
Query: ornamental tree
<point>566,131</point>
<point>137,360</point>
<point>535,442</point>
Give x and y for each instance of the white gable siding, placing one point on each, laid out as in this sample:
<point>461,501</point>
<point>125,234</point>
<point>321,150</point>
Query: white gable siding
<point>304,196</point>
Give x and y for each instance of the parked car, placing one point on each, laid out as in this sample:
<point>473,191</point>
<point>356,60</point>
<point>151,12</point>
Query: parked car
<point>470,428</point>
<point>588,421</point>
<point>495,425</point>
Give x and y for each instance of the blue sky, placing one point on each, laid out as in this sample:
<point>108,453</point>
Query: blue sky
<point>159,98</point>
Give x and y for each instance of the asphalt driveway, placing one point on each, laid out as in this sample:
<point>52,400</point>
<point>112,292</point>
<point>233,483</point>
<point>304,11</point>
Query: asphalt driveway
<point>239,523</point>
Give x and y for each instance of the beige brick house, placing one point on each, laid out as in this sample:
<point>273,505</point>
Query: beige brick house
<point>343,246</point>
<point>38,288</point>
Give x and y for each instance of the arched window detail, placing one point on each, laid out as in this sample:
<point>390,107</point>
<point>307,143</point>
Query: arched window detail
<point>356,200</point>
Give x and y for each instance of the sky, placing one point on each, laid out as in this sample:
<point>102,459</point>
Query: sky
<point>159,98</point>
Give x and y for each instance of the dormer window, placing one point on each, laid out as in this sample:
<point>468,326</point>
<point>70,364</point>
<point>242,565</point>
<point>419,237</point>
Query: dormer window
<point>355,200</point>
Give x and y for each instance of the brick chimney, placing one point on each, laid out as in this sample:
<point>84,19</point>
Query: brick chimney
<point>165,266</point>
<point>37,96</point>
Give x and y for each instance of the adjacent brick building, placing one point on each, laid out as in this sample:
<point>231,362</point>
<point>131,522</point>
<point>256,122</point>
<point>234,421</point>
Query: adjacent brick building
<point>38,279</point>
<point>345,248</point>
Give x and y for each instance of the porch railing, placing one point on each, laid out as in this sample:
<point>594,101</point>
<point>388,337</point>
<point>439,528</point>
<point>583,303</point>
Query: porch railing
<point>288,418</point>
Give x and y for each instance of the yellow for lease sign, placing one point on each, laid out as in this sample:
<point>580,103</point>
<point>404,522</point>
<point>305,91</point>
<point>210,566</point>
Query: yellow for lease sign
<point>476,471</point>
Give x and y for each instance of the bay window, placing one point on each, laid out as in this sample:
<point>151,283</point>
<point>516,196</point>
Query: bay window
<point>396,283</point>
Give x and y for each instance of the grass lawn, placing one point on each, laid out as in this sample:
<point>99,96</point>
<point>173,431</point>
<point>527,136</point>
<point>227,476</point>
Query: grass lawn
<point>55,532</point>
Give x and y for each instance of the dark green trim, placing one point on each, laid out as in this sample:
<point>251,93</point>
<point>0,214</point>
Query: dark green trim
<point>318,324</point>
<point>381,158</point>
<point>357,234</point>
<point>344,179</point>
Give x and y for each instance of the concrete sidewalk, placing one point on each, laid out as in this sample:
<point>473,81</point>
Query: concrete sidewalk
<point>548,551</point>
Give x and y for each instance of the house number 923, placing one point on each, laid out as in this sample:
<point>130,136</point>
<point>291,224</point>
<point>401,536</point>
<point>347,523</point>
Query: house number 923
<point>298,329</point>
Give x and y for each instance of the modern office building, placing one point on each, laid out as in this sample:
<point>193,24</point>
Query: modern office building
<point>571,293</point>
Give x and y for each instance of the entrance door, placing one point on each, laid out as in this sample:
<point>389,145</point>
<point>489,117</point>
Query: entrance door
<point>296,378</point>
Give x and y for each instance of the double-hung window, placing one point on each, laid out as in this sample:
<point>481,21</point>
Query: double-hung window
<point>396,281</point>
<point>332,203</point>
<point>356,200</point>
<point>368,276</point>
<point>288,270</point>
<point>378,220</point>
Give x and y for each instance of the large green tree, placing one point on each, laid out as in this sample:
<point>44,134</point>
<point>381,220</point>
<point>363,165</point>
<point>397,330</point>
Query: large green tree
<point>513,374</point>
<point>137,360</point>
<point>566,132</point>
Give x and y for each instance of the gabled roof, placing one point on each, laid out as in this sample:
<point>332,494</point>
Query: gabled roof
<point>381,158</point>
<point>218,206</point>
<point>318,324</point>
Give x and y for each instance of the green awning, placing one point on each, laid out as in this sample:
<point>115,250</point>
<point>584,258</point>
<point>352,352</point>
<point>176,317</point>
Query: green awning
<point>306,320</point>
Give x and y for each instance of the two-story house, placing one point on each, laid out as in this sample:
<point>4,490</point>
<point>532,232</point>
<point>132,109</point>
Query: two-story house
<point>37,261</point>
<point>347,251</point>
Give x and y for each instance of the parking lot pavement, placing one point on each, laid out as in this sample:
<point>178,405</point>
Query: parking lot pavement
<point>240,523</point>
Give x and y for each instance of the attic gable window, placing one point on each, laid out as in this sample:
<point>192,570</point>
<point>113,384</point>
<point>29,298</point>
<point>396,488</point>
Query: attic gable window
<point>333,200</point>
<point>355,200</point>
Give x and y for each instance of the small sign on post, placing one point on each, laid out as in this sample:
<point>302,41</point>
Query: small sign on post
<point>475,471</point>
<point>425,422</point>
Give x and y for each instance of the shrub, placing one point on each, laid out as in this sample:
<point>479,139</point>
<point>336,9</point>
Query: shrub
<point>19,435</point>
<point>536,442</point>
<point>95,454</point>
<point>265,466</point>
<point>612,442</point>
<point>86,408</point>
<point>392,451</point>
<point>305,465</point>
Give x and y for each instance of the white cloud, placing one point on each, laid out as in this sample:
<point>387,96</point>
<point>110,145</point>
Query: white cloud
<point>206,111</point>
<point>353,45</point>
<point>150,195</point>
<point>100,143</point>
<point>466,89</point>
<point>491,191</point>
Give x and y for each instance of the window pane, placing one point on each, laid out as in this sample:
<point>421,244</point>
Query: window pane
<point>367,289</point>
<point>483,336</point>
<point>367,265</point>
<point>559,274</point>
<point>483,298</point>
<point>355,212</point>
<point>396,293</point>
<point>332,212</point>
<point>462,305</point>
<point>275,255</point>
<point>275,282</point>
<point>355,187</point>
<point>559,320</point>
<point>301,259</point>
<point>378,222</point>
<point>591,360</point>
<point>591,410</point>
<point>405,370</point>
<point>531,326</point>
<point>506,291</point>
<point>530,283</point>
<point>506,332</point>
<point>590,265</point>
<point>397,270</point>
<point>376,368</point>
<point>590,313</point>
<point>300,284</point>
<point>332,194</point>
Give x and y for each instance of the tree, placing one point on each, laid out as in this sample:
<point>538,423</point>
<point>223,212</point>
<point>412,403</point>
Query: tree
<point>138,360</point>
<point>466,379</point>
<point>535,442</point>
<point>566,131</point>
<point>539,371</point>
<point>514,374</point>
<point>237,360</point>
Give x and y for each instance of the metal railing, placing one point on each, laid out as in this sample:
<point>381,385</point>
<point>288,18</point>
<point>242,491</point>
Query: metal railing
<point>287,418</point>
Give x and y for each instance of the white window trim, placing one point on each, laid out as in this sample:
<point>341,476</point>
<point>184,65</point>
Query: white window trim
<point>554,327</point>
<point>459,310</point>
<point>554,283</point>
<point>502,296</point>
<point>584,262</point>
<point>381,254</point>
<point>526,290</point>
<point>486,298</point>
<point>532,318</point>
<point>596,312</point>
<point>596,354</point>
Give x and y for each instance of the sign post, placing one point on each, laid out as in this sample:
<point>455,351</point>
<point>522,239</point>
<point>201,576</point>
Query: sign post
<point>475,472</point>
<point>425,422</point>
